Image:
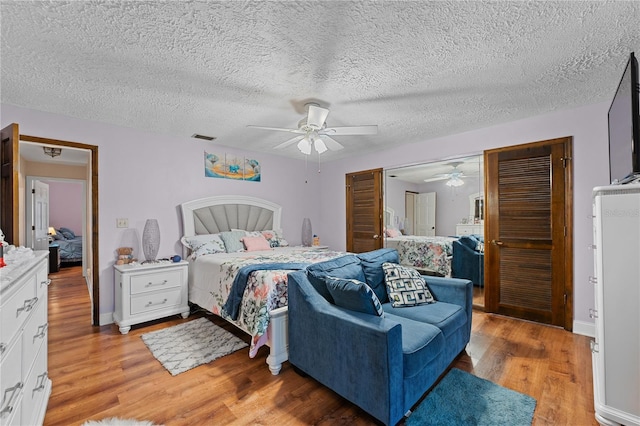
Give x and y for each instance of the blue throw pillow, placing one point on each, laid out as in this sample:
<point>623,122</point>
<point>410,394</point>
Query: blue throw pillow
<point>372,267</point>
<point>233,240</point>
<point>354,295</point>
<point>405,286</point>
<point>347,266</point>
<point>67,233</point>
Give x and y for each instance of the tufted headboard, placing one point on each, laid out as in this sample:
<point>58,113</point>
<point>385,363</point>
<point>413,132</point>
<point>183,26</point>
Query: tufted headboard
<point>225,212</point>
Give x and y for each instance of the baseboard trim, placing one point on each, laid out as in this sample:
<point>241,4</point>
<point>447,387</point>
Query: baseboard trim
<point>106,319</point>
<point>584,328</point>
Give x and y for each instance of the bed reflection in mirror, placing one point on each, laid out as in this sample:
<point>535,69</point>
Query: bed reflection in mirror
<point>434,217</point>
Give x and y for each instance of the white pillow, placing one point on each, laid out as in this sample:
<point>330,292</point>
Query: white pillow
<point>203,244</point>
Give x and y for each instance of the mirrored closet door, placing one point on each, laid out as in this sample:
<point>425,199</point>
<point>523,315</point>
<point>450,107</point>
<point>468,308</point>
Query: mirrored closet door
<point>434,217</point>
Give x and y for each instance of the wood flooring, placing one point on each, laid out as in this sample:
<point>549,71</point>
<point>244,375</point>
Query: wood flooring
<point>98,373</point>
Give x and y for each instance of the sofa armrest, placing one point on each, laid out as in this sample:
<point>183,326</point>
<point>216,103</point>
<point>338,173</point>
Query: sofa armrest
<point>453,290</point>
<point>348,351</point>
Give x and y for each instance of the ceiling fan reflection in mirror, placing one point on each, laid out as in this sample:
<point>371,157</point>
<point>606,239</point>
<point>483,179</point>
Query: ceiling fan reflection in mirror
<point>454,177</point>
<point>313,132</point>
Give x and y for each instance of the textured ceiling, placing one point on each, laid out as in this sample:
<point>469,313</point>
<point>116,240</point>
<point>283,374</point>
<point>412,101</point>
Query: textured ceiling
<point>416,69</point>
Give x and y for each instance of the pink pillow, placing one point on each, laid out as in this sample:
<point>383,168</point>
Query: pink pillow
<point>256,243</point>
<point>392,233</point>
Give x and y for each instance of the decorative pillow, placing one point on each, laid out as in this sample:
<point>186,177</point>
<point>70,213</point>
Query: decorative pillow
<point>275,238</point>
<point>393,233</point>
<point>354,295</point>
<point>405,286</point>
<point>233,240</point>
<point>256,243</point>
<point>66,233</point>
<point>203,244</point>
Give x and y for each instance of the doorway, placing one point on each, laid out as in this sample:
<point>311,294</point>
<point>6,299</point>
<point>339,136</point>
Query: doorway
<point>11,168</point>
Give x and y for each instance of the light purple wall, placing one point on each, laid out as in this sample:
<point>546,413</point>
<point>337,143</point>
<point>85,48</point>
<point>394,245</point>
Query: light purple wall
<point>144,175</point>
<point>588,127</point>
<point>66,204</point>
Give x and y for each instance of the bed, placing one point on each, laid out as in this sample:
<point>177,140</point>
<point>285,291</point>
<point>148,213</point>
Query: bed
<point>430,254</point>
<point>70,245</point>
<point>246,288</point>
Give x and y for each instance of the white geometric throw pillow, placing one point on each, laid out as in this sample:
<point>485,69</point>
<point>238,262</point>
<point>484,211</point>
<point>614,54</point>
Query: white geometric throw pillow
<point>405,286</point>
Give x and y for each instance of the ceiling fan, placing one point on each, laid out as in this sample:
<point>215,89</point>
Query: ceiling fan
<point>313,132</point>
<point>454,177</point>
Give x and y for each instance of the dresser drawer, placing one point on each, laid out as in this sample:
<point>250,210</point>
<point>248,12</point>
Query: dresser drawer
<point>42,281</point>
<point>35,332</point>
<point>37,386</point>
<point>11,384</point>
<point>147,302</point>
<point>16,309</point>
<point>156,281</point>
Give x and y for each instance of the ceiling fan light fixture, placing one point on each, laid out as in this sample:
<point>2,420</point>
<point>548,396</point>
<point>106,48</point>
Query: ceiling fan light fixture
<point>305,146</point>
<point>51,151</point>
<point>455,182</point>
<point>319,145</point>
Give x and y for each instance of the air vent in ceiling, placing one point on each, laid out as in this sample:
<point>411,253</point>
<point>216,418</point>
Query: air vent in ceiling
<point>206,138</point>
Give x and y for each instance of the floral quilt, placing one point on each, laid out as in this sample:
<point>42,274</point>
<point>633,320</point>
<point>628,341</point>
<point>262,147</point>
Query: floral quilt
<point>211,278</point>
<point>431,253</point>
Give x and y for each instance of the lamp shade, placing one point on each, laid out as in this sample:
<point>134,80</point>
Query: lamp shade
<point>52,230</point>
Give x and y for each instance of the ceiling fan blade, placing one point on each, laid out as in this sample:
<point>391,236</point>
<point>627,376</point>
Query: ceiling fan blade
<point>436,178</point>
<point>288,142</point>
<point>278,129</point>
<point>332,144</point>
<point>351,130</point>
<point>316,116</point>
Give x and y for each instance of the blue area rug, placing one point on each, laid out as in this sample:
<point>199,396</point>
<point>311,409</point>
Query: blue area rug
<point>464,399</point>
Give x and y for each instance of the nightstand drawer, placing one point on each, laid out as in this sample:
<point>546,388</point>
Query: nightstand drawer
<point>142,303</point>
<point>156,281</point>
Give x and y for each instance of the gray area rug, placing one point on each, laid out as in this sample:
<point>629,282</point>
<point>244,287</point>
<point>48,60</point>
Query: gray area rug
<point>464,399</point>
<point>188,345</point>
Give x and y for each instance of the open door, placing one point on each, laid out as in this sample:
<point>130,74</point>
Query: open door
<point>528,232</point>
<point>9,202</point>
<point>364,211</point>
<point>37,215</point>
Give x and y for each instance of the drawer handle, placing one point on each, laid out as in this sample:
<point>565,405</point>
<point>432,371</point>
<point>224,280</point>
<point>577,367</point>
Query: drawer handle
<point>150,284</point>
<point>27,306</point>
<point>152,304</point>
<point>41,380</point>
<point>42,331</point>
<point>15,391</point>
<point>3,347</point>
<point>46,282</point>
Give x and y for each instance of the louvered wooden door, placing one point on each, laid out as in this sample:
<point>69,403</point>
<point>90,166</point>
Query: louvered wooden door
<point>364,210</point>
<point>528,256</point>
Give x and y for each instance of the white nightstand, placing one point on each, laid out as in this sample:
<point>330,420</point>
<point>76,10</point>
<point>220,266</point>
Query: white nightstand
<point>145,292</point>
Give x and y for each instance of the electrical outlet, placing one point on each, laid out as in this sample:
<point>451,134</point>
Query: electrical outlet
<point>122,223</point>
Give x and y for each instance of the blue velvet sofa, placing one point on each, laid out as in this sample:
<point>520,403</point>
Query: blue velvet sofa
<point>384,364</point>
<point>468,259</point>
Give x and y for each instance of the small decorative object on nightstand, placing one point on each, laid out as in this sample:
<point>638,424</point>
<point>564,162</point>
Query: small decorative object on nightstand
<point>149,291</point>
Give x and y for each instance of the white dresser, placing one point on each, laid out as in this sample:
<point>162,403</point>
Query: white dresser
<point>24,383</point>
<point>469,228</point>
<point>616,349</point>
<point>145,292</point>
